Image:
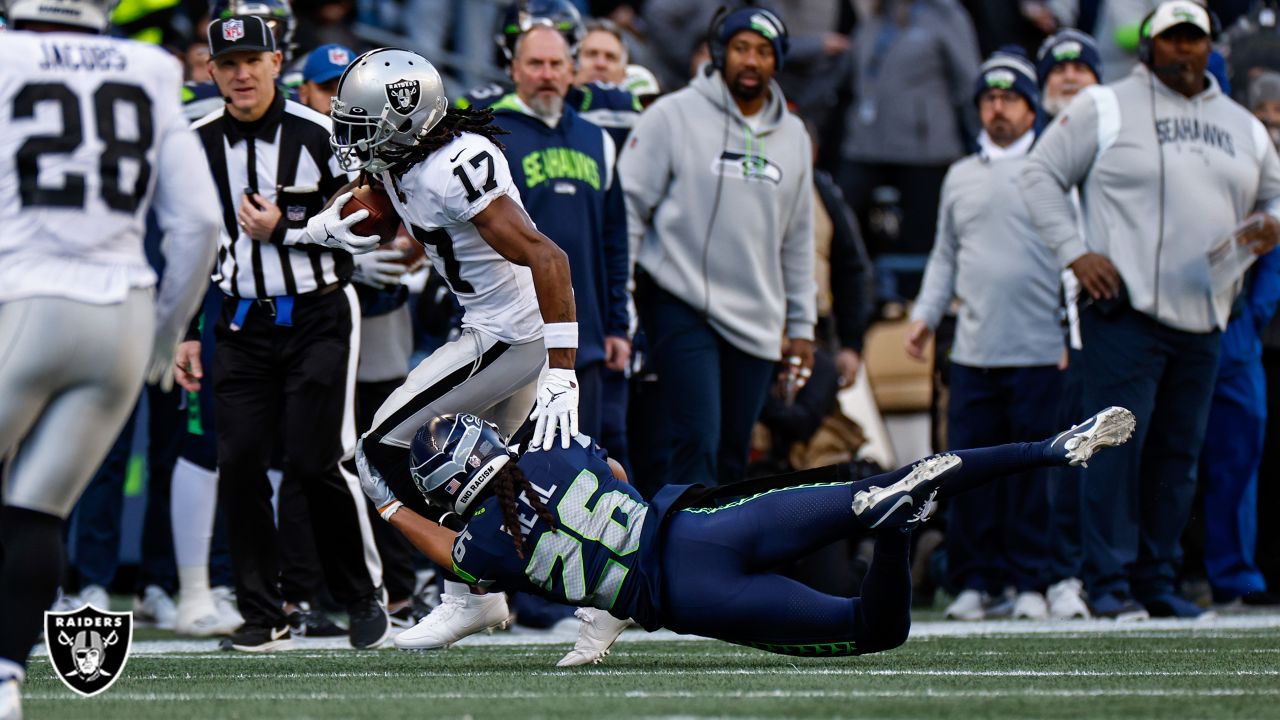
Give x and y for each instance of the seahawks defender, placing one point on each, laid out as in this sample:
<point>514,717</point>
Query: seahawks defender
<point>605,104</point>
<point>451,186</point>
<point>556,522</point>
<point>91,132</point>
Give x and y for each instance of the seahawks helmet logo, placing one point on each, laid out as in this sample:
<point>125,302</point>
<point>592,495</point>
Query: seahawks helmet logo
<point>403,95</point>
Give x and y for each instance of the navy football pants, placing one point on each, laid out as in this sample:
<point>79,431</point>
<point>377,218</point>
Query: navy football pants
<point>719,563</point>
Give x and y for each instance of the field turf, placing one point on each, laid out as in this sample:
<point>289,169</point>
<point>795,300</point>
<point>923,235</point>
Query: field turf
<point>1093,670</point>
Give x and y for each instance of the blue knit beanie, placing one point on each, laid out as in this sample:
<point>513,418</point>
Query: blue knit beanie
<point>1008,69</point>
<point>1068,45</point>
<point>758,20</point>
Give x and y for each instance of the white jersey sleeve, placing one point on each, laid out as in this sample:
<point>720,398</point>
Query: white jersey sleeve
<point>437,199</point>
<point>86,124</point>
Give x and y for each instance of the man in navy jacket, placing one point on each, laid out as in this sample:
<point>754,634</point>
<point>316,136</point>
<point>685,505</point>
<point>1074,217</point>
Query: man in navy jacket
<point>564,167</point>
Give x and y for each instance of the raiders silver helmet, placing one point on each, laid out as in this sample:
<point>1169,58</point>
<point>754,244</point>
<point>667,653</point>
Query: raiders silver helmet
<point>92,14</point>
<point>386,100</point>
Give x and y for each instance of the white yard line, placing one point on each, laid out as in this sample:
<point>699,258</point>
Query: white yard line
<point>1229,627</point>
<point>916,694</point>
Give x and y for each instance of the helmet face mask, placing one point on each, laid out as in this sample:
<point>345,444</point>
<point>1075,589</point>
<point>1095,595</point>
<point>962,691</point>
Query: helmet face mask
<point>386,98</point>
<point>453,459</point>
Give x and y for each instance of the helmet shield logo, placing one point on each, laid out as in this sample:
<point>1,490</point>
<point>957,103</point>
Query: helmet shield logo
<point>232,30</point>
<point>403,95</point>
<point>88,647</point>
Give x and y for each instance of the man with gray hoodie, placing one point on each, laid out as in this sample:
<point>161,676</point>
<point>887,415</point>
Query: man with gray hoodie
<point>719,196</point>
<point>1167,166</point>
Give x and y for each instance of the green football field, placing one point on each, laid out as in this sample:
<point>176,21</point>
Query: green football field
<point>1229,668</point>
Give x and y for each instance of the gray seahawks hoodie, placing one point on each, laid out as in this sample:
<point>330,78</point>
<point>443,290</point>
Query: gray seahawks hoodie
<point>721,216</point>
<point>1162,178</point>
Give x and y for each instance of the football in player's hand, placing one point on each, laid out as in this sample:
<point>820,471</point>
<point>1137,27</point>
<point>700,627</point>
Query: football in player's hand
<point>382,221</point>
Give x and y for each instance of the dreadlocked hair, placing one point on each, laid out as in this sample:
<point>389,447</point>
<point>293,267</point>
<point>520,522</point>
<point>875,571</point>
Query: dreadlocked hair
<point>507,485</point>
<point>455,122</point>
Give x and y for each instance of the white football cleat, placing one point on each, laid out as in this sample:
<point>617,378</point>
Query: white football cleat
<point>198,616</point>
<point>1030,605</point>
<point>907,502</point>
<point>1109,428</point>
<point>595,636</point>
<point>224,599</point>
<point>94,595</point>
<point>155,607</point>
<point>1066,600</point>
<point>969,605</point>
<point>456,617</point>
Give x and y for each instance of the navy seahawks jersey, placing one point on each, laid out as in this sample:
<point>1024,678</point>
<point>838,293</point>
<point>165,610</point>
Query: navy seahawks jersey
<point>604,104</point>
<point>602,553</point>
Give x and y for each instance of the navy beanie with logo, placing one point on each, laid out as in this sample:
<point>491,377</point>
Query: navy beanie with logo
<point>760,21</point>
<point>1009,69</point>
<point>1068,45</point>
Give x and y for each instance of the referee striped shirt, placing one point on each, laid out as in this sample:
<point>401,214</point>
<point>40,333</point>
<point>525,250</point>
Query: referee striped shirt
<point>287,149</point>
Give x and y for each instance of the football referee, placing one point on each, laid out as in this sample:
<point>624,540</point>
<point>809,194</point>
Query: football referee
<point>284,364</point>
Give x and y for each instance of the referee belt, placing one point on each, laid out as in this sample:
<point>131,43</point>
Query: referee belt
<point>279,307</point>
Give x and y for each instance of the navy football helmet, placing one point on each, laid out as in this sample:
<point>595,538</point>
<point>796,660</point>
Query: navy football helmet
<point>453,458</point>
<point>523,15</point>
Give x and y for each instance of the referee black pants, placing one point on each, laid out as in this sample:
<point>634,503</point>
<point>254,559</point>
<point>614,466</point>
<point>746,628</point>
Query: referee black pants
<point>289,382</point>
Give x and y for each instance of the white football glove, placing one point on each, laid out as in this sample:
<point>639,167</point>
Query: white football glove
<point>557,407</point>
<point>374,487</point>
<point>378,268</point>
<point>160,366</point>
<point>329,229</point>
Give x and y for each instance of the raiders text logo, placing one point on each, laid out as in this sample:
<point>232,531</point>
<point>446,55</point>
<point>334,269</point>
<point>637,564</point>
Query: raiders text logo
<point>88,647</point>
<point>403,95</point>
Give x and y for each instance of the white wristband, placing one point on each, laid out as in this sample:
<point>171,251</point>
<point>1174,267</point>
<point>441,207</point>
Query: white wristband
<point>560,335</point>
<point>390,510</point>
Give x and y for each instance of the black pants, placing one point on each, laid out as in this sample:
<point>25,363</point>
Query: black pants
<point>269,377</point>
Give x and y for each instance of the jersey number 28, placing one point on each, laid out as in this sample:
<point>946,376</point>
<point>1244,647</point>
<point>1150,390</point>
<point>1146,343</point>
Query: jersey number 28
<point>72,192</point>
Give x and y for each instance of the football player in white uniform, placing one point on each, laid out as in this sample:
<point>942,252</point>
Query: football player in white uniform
<point>451,186</point>
<point>91,131</point>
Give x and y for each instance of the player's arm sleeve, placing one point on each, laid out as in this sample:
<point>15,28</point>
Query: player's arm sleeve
<point>186,205</point>
<point>478,176</point>
<point>798,280</point>
<point>939,283</point>
<point>617,253</point>
<point>1061,159</point>
<point>645,169</point>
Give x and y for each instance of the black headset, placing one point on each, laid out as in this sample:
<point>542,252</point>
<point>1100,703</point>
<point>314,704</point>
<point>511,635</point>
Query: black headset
<point>1144,34</point>
<point>715,47</point>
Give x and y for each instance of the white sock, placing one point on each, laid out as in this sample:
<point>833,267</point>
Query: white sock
<point>456,588</point>
<point>193,502</point>
<point>193,584</point>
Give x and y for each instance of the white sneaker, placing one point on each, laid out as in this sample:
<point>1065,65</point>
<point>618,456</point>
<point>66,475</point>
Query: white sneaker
<point>224,599</point>
<point>155,607</point>
<point>595,636</point>
<point>198,616</point>
<point>94,595</point>
<point>456,617</point>
<point>968,605</point>
<point>1066,600</point>
<point>1030,605</point>
<point>10,699</point>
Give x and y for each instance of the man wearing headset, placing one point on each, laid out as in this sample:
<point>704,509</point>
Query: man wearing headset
<point>1168,166</point>
<point>720,217</point>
